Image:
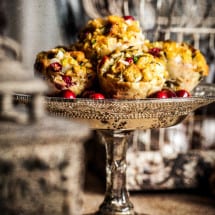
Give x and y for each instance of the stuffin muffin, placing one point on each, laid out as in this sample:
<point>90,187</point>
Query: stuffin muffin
<point>64,69</point>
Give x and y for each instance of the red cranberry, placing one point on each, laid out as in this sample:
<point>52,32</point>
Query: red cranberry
<point>96,96</point>
<point>182,93</point>
<point>55,67</point>
<point>155,52</point>
<point>103,60</point>
<point>130,60</point>
<point>68,94</point>
<point>128,18</point>
<point>163,94</point>
<point>67,80</point>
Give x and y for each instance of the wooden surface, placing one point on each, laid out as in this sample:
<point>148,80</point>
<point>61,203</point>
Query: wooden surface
<point>153,203</point>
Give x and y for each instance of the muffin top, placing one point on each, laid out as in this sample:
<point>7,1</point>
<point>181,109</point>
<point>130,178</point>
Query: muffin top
<point>186,65</point>
<point>65,69</point>
<point>131,73</point>
<point>111,55</point>
<point>181,53</point>
<point>102,36</point>
<point>132,65</point>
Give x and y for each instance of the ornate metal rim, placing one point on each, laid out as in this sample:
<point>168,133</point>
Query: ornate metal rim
<point>102,113</point>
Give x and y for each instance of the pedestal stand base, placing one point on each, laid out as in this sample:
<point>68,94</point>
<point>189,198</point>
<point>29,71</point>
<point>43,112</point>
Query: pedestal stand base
<point>118,213</point>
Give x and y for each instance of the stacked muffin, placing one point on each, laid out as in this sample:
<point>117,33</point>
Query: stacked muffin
<point>102,36</point>
<point>112,56</point>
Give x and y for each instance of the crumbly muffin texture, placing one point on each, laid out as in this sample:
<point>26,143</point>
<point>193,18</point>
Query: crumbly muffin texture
<point>112,56</point>
<point>186,66</point>
<point>64,69</point>
<point>102,36</point>
<point>131,74</point>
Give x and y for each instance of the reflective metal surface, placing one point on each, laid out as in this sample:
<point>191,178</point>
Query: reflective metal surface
<point>128,114</point>
<point>115,121</point>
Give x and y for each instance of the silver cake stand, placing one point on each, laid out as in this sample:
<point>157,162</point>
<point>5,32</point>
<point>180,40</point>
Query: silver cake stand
<point>115,121</point>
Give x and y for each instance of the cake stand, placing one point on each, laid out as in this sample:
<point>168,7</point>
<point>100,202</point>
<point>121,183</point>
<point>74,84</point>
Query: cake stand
<point>115,121</point>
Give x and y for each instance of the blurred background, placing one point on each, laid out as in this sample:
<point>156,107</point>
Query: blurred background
<point>175,167</point>
<point>41,25</point>
<point>164,158</point>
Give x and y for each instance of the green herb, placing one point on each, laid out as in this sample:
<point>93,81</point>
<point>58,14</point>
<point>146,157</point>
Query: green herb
<point>135,58</point>
<point>93,42</point>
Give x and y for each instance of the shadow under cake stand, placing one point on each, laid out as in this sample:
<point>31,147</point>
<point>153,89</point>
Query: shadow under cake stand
<point>115,121</point>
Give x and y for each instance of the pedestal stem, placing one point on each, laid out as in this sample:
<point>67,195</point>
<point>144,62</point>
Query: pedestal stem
<point>116,200</point>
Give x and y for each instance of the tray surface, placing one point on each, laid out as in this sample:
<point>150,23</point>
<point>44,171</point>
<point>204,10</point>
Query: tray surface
<point>128,114</point>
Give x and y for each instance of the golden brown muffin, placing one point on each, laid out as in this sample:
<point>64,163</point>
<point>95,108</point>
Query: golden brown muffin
<point>186,66</point>
<point>131,74</point>
<point>102,36</point>
<point>64,69</point>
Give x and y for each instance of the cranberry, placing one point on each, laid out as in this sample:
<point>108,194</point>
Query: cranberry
<point>163,94</point>
<point>155,52</point>
<point>182,93</point>
<point>130,60</point>
<point>96,96</point>
<point>67,80</point>
<point>103,60</point>
<point>55,67</point>
<point>68,94</point>
<point>128,18</point>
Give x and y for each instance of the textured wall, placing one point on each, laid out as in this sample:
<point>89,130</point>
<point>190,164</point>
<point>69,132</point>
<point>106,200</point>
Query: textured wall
<point>42,167</point>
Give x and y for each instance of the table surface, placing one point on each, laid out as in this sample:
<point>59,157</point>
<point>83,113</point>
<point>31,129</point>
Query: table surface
<point>152,203</point>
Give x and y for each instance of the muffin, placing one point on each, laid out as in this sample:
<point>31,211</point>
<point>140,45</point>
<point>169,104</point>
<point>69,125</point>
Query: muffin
<point>131,74</point>
<point>64,69</point>
<point>102,36</point>
<point>186,66</point>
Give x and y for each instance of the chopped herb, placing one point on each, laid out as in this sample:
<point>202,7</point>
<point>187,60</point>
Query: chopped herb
<point>135,58</point>
<point>93,42</point>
